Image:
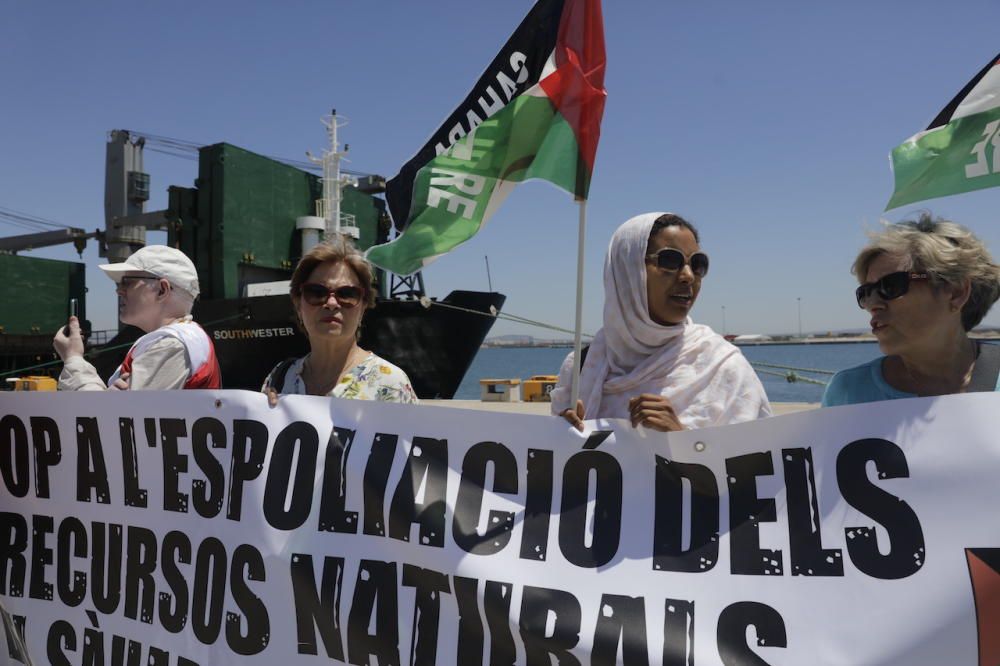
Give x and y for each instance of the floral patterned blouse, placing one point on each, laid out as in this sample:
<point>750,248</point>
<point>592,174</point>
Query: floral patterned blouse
<point>372,379</point>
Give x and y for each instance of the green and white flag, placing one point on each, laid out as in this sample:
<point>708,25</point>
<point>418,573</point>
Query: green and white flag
<point>959,151</point>
<point>534,113</point>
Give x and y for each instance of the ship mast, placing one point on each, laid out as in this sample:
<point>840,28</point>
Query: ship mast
<point>328,208</point>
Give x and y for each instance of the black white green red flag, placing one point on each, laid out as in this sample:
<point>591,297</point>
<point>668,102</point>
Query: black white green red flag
<point>959,151</point>
<point>534,113</point>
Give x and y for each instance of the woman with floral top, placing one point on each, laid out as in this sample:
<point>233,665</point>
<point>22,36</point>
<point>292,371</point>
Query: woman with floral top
<point>331,288</point>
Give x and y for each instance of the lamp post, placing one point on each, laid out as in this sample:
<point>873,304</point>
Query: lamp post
<point>723,320</point>
<point>799,300</point>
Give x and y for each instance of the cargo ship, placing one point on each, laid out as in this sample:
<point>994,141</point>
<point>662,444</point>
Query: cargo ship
<point>244,224</point>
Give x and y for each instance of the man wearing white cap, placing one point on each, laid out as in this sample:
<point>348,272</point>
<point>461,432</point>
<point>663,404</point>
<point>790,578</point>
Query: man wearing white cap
<point>156,289</point>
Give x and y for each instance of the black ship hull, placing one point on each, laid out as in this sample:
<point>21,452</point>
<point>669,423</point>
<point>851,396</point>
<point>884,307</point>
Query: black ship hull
<point>21,352</point>
<point>434,345</point>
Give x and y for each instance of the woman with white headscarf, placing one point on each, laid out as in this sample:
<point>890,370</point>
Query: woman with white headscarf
<point>650,363</point>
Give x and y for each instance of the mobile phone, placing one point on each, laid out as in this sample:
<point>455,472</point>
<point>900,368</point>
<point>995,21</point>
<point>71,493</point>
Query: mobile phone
<point>74,311</point>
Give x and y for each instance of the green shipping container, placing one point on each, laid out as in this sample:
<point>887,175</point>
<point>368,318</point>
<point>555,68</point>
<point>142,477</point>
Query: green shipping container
<point>35,293</point>
<point>238,223</point>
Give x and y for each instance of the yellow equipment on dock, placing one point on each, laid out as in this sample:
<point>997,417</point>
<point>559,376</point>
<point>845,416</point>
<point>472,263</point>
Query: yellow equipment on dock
<point>538,387</point>
<point>33,383</point>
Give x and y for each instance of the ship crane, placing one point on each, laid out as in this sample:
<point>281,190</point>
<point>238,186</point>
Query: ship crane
<point>46,233</point>
<point>24,242</point>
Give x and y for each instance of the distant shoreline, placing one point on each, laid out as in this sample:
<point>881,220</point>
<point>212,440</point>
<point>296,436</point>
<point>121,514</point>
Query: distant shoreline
<point>838,340</point>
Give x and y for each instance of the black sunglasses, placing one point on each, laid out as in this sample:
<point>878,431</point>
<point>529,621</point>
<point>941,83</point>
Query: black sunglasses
<point>670,259</point>
<point>347,296</point>
<point>887,287</point>
<point>127,280</point>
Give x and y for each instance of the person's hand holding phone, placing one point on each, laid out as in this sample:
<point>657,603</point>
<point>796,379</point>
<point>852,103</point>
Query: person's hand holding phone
<point>74,311</point>
<point>68,342</point>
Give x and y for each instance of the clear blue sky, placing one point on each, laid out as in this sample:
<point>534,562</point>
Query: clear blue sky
<point>768,124</point>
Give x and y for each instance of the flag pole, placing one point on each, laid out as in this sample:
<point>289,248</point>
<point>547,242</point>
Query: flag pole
<point>575,387</point>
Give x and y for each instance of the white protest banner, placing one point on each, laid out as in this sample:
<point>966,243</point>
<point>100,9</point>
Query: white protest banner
<point>207,528</point>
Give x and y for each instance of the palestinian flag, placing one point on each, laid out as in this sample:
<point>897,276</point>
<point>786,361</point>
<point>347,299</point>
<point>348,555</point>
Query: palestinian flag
<point>534,113</point>
<point>959,151</point>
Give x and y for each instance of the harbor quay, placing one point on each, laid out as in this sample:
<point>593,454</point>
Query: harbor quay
<point>542,408</point>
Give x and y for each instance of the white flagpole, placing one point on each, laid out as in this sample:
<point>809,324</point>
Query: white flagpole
<point>575,390</point>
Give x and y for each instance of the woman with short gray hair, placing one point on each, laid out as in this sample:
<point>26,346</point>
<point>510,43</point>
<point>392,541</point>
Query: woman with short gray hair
<point>926,284</point>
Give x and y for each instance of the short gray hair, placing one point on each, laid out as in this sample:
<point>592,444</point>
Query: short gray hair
<point>948,252</point>
<point>182,298</point>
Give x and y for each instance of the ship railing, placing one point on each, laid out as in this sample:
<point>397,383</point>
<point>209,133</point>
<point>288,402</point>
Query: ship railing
<point>791,374</point>
<point>348,221</point>
<point>349,226</point>
<point>103,336</point>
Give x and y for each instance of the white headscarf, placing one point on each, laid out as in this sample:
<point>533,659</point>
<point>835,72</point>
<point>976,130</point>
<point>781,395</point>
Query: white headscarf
<point>705,378</point>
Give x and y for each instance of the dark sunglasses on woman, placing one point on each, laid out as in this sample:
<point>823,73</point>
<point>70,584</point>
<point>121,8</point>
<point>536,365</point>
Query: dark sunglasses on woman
<point>670,259</point>
<point>317,295</point>
<point>887,287</point>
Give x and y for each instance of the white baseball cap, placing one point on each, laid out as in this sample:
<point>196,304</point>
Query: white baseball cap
<point>159,261</point>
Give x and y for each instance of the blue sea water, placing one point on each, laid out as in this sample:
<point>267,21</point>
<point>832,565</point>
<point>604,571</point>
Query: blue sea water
<point>524,362</point>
